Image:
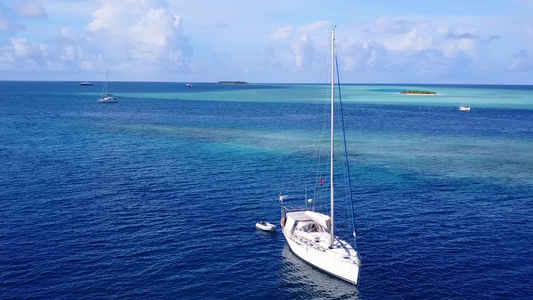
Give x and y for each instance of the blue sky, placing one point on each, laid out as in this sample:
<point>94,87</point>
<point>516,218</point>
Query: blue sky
<point>378,41</point>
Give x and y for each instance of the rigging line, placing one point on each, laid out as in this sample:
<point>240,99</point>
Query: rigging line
<point>346,153</point>
<point>319,154</point>
<point>317,193</point>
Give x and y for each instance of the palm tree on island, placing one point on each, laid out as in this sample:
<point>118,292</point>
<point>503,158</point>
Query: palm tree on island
<point>418,92</point>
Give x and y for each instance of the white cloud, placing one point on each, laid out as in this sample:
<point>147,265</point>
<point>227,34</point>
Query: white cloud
<point>30,9</point>
<point>298,47</point>
<point>440,46</point>
<point>108,17</point>
<point>6,59</point>
<point>74,56</point>
<point>450,50</point>
<point>282,33</point>
<point>91,63</point>
<point>411,41</point>
<point>55,66</point>
<point>152,29</point>
<point>358,56</point>
<point>24,49</point>
<point>467,45</point>
<point>302,51</point>
<point>269,40</point>
<point>139,33</point>
<point>67,34</point>
<point>318,25</point>
<point>69,53</point>
<point>177,22</point>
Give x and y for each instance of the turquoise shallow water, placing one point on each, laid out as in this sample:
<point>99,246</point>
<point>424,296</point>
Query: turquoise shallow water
<point>157,195</point>
<point>517,97</point>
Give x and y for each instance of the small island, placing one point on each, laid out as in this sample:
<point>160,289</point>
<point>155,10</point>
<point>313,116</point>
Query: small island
<point>416,92</point>
<point>232,82</point>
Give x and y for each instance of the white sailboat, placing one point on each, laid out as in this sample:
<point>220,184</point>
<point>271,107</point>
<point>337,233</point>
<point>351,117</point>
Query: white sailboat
<point>310,234</point>
<point>106,97</point>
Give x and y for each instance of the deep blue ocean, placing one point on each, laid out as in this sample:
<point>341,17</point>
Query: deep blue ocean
<point>157,196</point>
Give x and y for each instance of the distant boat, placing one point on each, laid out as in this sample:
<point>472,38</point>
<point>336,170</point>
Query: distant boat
<point>310,234</point>
<point>106,97</point>
<point>86,83</point>
<point>188,85</point>
<point>265,226</point>
<point>464,108</point>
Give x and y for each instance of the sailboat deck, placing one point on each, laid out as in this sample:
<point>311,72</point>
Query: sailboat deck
<point>318,240</point>
<point>321,241</point>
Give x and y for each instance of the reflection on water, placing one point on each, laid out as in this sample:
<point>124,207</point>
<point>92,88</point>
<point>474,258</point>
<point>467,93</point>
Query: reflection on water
<point>302,281</point>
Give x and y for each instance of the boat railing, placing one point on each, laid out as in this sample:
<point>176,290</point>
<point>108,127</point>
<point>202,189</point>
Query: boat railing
<point>293,208</point>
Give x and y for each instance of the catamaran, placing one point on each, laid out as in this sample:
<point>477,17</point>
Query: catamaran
<point>311,234</point>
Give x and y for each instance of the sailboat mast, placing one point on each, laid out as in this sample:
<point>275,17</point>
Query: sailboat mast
<point>332,131</point>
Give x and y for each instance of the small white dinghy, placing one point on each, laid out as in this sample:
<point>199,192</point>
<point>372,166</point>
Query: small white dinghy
<point>265,226</point>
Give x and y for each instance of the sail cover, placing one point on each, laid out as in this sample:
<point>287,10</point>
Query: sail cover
<point>320,219</point>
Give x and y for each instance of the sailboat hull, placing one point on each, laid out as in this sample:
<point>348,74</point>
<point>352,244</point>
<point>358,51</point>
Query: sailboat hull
<point>107,100</point>
<point>327,260</point>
